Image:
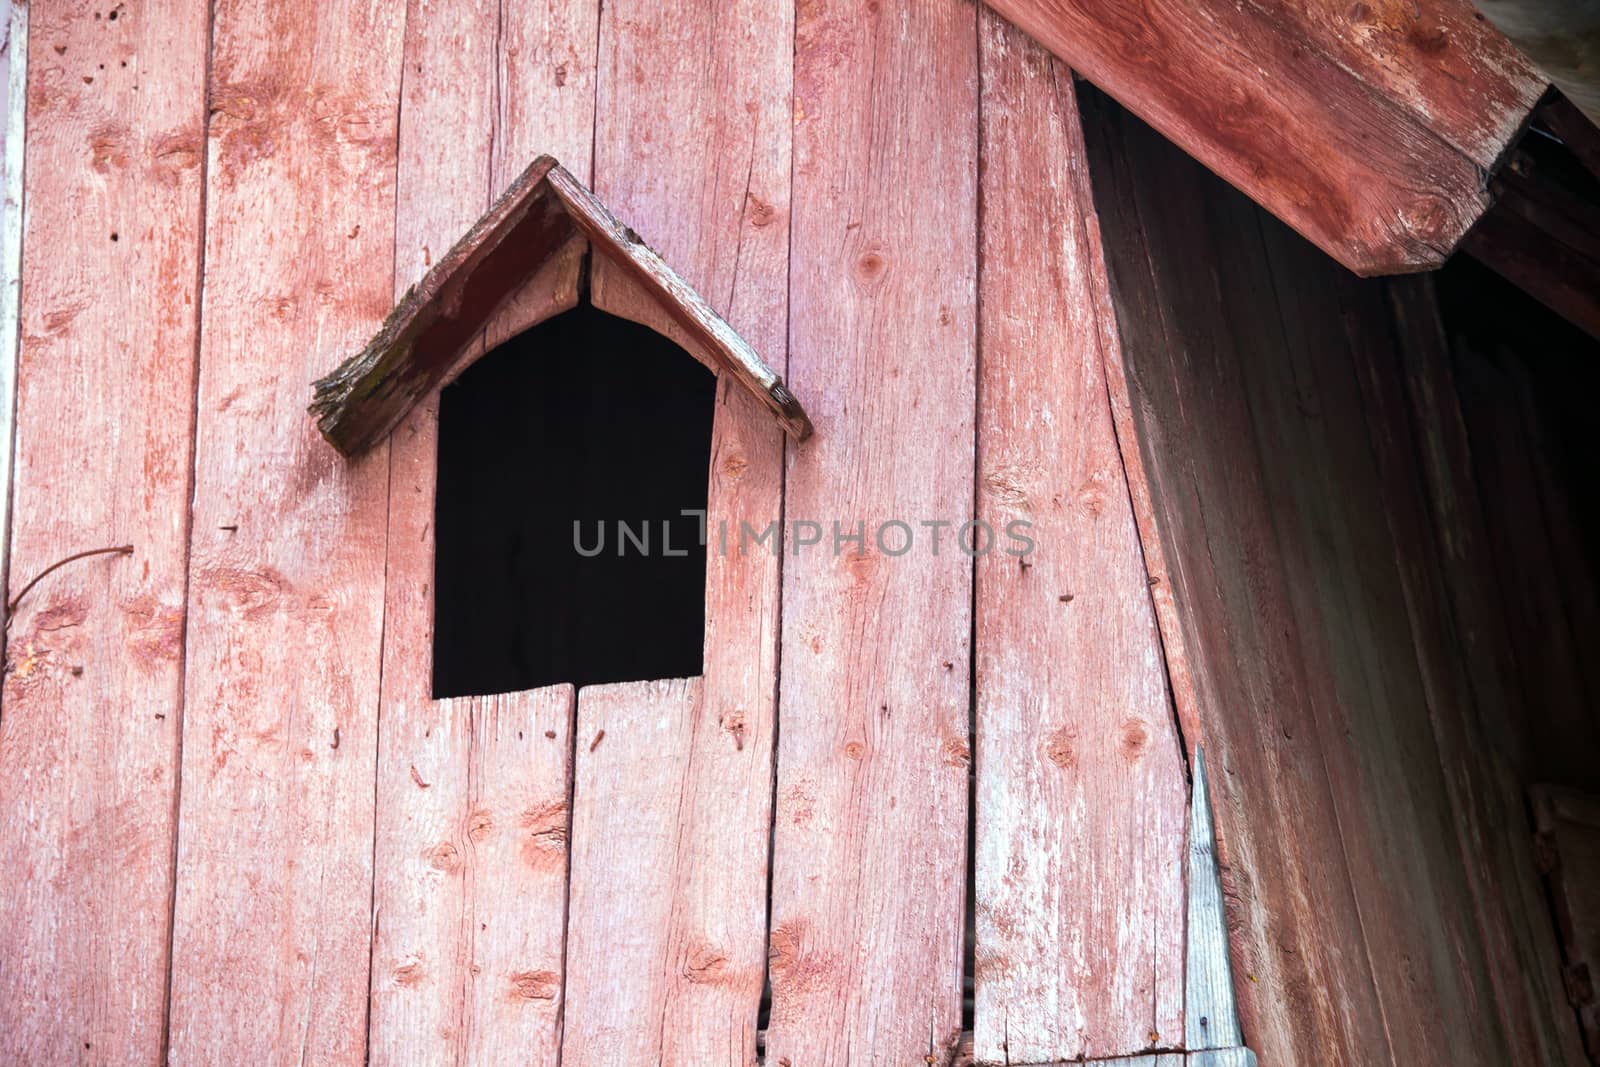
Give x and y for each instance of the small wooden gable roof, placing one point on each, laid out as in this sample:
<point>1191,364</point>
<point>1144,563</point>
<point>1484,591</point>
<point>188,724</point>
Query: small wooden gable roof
<point>434,325</point>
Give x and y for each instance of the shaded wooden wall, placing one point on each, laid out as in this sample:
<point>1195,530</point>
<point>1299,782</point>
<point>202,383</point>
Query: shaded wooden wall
<point>1339,632</point>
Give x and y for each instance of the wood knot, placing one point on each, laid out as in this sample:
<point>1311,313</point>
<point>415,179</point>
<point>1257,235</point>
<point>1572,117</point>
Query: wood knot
<point>870,268</point>
<point>1058,748</point>
<point>1135,737</point>
<point>1430,42</point>
<point>547,830</point>
<point>444,857</point>
<point>410,973</point>
<point>761,212</point>
<point>733,722</point>
<point>535,985</point>
<point>705,966</point>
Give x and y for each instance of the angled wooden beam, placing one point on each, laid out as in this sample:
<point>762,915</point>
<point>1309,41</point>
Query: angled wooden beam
<point>433,327</point>
<point>1371,143</point>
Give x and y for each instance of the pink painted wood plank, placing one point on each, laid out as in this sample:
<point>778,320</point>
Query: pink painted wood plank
<point>692,151</point>
<point>470,931</point>
<point>631,744</point>
<point>874,750</point>
<point>471,873</point>
<point>524,73</point>
<point>93,679</point>
<point>273,918</point>
<point>1082,796</point>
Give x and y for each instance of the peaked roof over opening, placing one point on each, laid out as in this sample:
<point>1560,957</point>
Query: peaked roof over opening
<point>427,334</point>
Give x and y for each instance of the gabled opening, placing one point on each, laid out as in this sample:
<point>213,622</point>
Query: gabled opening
<point>572,482</point>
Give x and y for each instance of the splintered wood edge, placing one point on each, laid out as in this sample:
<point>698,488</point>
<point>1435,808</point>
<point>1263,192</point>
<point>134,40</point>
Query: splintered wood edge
<point>1210,1017</point>
<point>358,404</point>
<point>627,250</point>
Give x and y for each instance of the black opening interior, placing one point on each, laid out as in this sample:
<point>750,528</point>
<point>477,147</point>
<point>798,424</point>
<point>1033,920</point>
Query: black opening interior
<point>585,419</point>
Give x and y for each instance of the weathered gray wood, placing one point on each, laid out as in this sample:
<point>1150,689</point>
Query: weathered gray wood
<point>13,112</point>
<point>1211,1018</point>
<point>1225,1057</point>
<point>1211,1021</point>
<point>1562,36</point>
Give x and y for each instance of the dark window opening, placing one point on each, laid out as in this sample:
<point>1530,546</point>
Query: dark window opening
<point>586,419</point>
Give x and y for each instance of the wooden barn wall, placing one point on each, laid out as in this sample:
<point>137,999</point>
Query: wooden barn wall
<point>245,823</point>
<point>1310,490</point>
<point>471,811</point>
<point>233,818</point>
<point>94,683</point>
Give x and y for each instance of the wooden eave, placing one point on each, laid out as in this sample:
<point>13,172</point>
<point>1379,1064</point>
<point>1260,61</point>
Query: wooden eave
<point>1370,128</point>
<point>435,324</point>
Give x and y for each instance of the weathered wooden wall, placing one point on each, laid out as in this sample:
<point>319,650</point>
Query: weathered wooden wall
<point>93,701</point>
<point>470,856</point>
<point>1081,778</point>
<point>232,817</point>
<point>1291,418</point>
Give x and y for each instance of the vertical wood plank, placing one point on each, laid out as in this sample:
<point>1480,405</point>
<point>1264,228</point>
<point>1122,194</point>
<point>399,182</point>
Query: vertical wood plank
<point>630,745</point>
<point>93,697</point>
<point>1303,982</point>
<point>692,151</point>
<point>472,882</point>
<point>470,928</point>
<point>13,115</point>
<point>874,749</point>
<point>1456,513</point>
<point>286,576</point>
<point>1562,739</point>
<point>1081,786</point>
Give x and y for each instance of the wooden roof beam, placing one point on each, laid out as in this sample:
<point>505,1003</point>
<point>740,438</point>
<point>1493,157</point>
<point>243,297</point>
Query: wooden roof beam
<point>1367,127</point>
<point>431,330</point>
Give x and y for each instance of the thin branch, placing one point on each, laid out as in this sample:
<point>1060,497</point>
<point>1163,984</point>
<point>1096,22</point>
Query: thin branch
<point>120,550</point>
